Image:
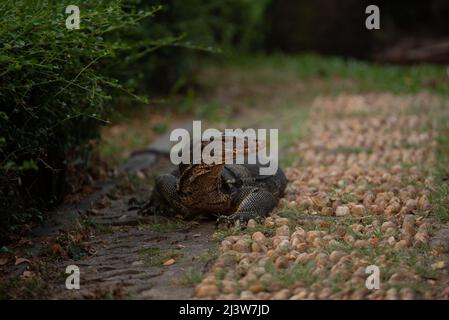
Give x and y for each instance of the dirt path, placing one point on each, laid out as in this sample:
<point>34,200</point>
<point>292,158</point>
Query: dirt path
<point>129,264</point>
<point>360,197</point>
<point>121,255</point>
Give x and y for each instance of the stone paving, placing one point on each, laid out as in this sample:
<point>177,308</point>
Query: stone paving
<point>359,197</point>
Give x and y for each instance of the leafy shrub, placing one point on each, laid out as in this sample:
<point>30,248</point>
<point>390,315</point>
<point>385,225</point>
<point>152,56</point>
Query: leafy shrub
<point>55,89</point>
<point>58,85</point>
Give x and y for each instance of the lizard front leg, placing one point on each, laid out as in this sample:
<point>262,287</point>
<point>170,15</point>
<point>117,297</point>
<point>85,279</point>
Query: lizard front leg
<point>165,199</point>
<point>252,203</point>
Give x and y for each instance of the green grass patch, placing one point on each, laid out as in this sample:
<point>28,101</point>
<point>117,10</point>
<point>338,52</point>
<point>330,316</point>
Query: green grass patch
<point>156,256</point>
<point>335,74</point>
<point>210,255</point>
<point>417,259</point>
<point>440,195</point>
<point>291,133</point>
<point>292,275</point>
<point>295,215</point>
<point>191,278</point>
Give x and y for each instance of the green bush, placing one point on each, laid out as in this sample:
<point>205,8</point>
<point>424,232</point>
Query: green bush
<point>55,89</point>
<point>58,85</point>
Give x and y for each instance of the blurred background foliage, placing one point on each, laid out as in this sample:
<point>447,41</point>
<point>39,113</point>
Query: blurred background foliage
<point>58,86</point>
<point>201,27</point>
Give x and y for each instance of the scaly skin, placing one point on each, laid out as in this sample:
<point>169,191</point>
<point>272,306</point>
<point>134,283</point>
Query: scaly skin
<point>229,192</point>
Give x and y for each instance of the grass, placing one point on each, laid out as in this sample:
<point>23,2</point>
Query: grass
<point>350,150</point>
<point>14,288</point>
<point>292,275</point>
<point>440,195</point>
<point>418,260</point>
<point>220,274</point>
<point>294,130</point>
<point>295,215</point>
<point>335,75</point>
<point>156,256</point>
<point>209,256</point>
<point>341,246</point>
<point>132,130</point>
<point>191,278</point>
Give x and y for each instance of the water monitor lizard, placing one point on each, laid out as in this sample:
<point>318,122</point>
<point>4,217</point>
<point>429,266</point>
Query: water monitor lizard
<point>228,192</point>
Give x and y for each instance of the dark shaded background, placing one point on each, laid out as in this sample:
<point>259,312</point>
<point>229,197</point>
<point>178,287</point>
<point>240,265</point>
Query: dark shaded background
<point>338,27</point>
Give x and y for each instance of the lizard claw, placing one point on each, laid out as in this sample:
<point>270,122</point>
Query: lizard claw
<point>154,208</point>
<point>235,220</point>
<point>224,221</point>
